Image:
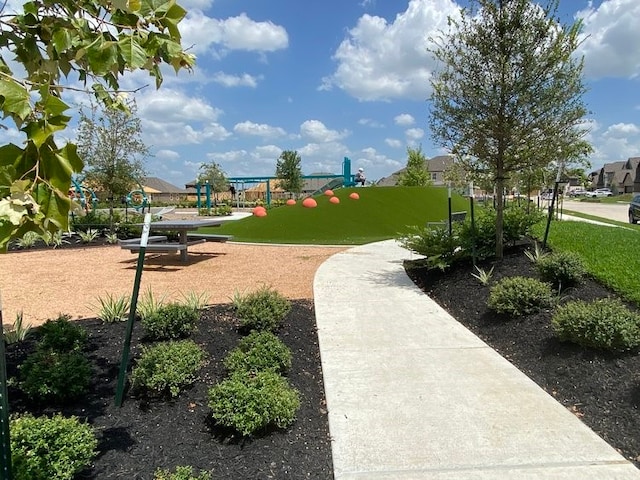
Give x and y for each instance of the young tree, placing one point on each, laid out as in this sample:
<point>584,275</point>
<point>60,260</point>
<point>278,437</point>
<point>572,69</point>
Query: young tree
<point>508,96</point>
<point>213,174</point>
<point>416,173</point>
<point>90,41</point>
<point>289,172</point>
<point>109,141</point>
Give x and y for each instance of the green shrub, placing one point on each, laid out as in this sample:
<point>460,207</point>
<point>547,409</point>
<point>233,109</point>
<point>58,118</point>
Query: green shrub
<point>519,296</point>
<point>167,367</point>
<point>171,321</point>
<point>606,324</point>
<point>181,473</point>
<point>249,403</point>
<point>62,335</point>
<point>45,448</point>
<point>562,269</point>
<point>263,309</point>
<point>113,308</point>
<point>50,375</point>
<point>259,351</point>
<point>435,243</point>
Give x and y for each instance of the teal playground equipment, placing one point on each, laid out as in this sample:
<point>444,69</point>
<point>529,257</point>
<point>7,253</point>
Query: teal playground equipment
<point>137,199</point>
<point>345,179</point>
<point>84,195</point>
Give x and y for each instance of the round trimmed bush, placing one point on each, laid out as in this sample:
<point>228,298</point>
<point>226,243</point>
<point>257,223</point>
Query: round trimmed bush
<point>605,324</point>
<point>249,403</point>
<point>44,448</point>
<point>168,367</point>
<point>49,375</point>
<point>263,309</point>
<point>259,351</point>
<point>518,296</point>
<point>61,335</point>
<point>562,269</point>
<point>171,321</point>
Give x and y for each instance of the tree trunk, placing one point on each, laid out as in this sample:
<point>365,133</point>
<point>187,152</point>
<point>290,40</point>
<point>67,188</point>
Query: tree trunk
<point>499,215</point>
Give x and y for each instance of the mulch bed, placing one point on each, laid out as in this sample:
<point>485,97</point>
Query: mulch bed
<point>144,435</point>
<point>602,389</point>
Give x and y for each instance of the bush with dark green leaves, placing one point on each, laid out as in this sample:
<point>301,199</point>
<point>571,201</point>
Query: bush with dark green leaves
<point>181,473</point>
<point>263,309</point>
<point>171,321</point>
<point>62,335</point>
<point>434,242</point>
<point>168,367</point>
<point>562,269</point>
<point>51,376</point>
<point>259,351</point>
<point>44,448</point>
<point>518,296</point>
<point>605,324</point>
<point>249,403</point>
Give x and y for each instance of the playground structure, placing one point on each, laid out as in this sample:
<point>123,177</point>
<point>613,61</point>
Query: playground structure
<point>241,193</point>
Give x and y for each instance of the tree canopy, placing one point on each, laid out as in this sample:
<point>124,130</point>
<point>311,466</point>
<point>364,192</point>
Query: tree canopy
<point>416,173</point>
<point>289,171</point>
<point>213,174</point>
<point>508,95</point>
<point>58,43</point>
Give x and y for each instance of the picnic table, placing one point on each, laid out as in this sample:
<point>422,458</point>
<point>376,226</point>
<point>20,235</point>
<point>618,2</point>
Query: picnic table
<point>159,243</point>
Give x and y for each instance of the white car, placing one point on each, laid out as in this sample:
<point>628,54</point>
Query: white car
<point>600,192</point>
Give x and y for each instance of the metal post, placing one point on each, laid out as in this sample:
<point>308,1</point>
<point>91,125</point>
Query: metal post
<point>132,311</point>
<point>551,205</point>
<point>473,224</point>
<point>5,437</point>
<point>450,212</point>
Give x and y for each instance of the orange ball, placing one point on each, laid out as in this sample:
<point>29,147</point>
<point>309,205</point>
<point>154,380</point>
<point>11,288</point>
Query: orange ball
<point>354,196</point>
<point>291,201</point>
<point>335,200</point>
<point>260,213</point>
<point>328,193</point>
<point>309,203</point>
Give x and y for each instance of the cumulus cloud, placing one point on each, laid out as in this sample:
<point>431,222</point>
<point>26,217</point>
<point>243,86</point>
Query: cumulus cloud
<point>244,80</point>
<point>234,33</point>
<point>611,43</point>
<point>169,134</point>
<point>316,131</point>
<point>174,106</point>
<point>167,155</point>
<point>404,120</point>
<point>393,143</point>
<point>258,130</point>
<point>613,143</point>
<point>368,122</point>
<point>414,133</point>
<point>381,61</point>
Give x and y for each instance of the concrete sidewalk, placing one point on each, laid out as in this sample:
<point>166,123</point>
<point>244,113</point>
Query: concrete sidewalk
<point>412,394</point>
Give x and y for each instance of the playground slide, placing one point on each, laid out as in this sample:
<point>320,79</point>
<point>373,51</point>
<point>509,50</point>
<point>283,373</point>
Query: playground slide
<point>331,184</point>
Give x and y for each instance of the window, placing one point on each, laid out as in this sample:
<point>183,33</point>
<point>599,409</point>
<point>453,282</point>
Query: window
<point>434,176</point>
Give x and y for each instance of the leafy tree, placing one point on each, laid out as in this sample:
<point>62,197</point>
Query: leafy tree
<point>93,42</point>
<point>213,174</point>
<point>110,144</point>
<point>416,173</point>
<point>509,94</point>
<point>289,172</point>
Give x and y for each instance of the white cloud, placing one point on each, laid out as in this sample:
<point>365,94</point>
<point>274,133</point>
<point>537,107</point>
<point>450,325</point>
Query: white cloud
<point>267,151</point>
<point>234,33</point>
<point>404,120</point>
<point>611,45</point>
<point>368,122</point>
<point>370,158</point>
<point>167,155</point>
<point>393,143</point>
<point>196,4</point>
<point>614,143</point>
<point>258,130</point>
<point>316,131</point>
<point>168,105</point>
<point>172,134</point>
<point>244,80</point>
<point>414,133</point>
<point>380,60</point>
<point>621,130</point>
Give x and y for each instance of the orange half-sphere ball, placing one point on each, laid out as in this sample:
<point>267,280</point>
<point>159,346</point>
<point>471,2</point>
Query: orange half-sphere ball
<point>328,193</point>
<point>258,210</point>
<point>291,201</point>
<point>260,213</point>
<point>354,196</point>
<point>309,203</point>
<point>335,200</point>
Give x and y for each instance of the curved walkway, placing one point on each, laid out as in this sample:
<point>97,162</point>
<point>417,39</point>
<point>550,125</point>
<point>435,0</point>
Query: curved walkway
<point>412,394</point>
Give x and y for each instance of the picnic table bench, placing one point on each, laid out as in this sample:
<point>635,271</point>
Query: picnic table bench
<point>209,237</point>
<point>455,217</point>
<point>152,239</point>
<point>160,247</point>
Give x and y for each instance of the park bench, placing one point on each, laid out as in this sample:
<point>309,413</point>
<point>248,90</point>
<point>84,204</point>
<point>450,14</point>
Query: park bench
<point>208,237</point>
<point>152,239</point>
<point>161,247</point>
<point>455,218</point>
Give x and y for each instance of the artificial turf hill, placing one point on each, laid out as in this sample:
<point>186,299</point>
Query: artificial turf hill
<point>379,214</point>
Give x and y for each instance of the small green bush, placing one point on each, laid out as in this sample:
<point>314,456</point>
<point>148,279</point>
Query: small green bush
<point>171,321</point>
<point>519,296</point>
<point>605,324</point>
<point>562,269</point>
<point>263,309</point>
<point>45,448</point>
<point>259,351</point>
<point>167,367</point>
<point>249,403</point>
<point>181,473</point>
<point>50,375</point>
<point>435,243</point>
<point>62,335</point>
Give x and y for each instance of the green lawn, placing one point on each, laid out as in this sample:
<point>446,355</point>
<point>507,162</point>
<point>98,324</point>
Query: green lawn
<point>380,213</point>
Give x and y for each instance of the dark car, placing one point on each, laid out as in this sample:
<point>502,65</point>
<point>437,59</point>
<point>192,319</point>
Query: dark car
<point>634,209</point>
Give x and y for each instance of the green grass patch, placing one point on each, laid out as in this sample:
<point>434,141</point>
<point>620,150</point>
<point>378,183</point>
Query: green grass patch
<point>381,213</point>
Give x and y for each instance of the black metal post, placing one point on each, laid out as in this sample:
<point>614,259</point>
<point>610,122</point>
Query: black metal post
<point>450,214</point>
<point>550,216</point>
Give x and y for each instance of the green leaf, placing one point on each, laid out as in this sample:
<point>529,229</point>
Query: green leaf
<point>62,40</point>
<point>15,98</point>
<point>52,104</point>
<point>132,52</point>
<point>39,132</point>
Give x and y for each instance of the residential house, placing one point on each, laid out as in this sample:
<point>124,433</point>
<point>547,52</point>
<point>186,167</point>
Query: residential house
<point>160,191</point>
<point>620,177</point>
<point>437,167</point>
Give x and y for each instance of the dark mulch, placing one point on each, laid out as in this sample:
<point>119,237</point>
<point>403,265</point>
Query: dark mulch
<point>70,242</point>
<point>603,389</point>
<point>144,434</point>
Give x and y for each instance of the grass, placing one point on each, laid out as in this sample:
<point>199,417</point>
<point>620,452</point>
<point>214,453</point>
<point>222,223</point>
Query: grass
<point>381,213</point>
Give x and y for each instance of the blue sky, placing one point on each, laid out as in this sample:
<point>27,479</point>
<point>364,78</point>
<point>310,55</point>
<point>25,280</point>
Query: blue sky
<point>338,78</point>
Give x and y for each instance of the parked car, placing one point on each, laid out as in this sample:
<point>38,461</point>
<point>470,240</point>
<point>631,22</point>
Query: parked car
<point>600,192</point>
<point>634,209</point>
<point>578,192</point>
